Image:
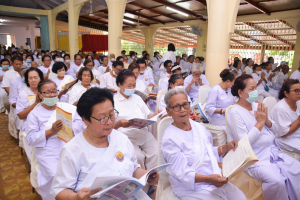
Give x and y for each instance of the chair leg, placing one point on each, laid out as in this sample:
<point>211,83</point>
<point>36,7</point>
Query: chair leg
<point>28,165</point>
<point>21,151</point>
<point>33,190</point>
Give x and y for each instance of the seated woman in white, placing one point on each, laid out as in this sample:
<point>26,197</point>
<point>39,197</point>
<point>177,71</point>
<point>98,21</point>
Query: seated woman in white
<point>42,128</point>
<point>167,69</point>
<point>90,64</point>
<point>219,98</point>
<point>93,152</point>
<point>109,79</point>
<point>164,83</point>
<point>193,82</point>
<point>194,173</point>
<point>61,80</point>
<point>75,67</point>
<point>175,81</point>
<point>84,83</point>
<point>145,75</point>
<point>269,76</point>
<point>286,114</point>
<point>140,85</point>
<point>104,67</point>
<point>237,66</point>
<point>261,83</point>
<point>187,66</point>
<point>28,98</point>
<point>132,106</point>
<point>248,69</point>
<point>280,78</point>
<point>279,172</point>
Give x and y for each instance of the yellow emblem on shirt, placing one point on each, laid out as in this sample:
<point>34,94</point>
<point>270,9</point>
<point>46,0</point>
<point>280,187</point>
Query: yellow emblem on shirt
<point>120,156</point>
<point>146,79</point>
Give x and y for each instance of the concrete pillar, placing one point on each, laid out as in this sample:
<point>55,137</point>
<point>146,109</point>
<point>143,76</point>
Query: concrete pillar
<point>116,9</point>
<point>73,17</point>
<point>293,22</point>
<point>32,35</point>
<point>149,33</point>
<point>201,43</point>
<point>51,25</point>
<point>221,20</point>
<point>45,45</point>
<point>262,54</point>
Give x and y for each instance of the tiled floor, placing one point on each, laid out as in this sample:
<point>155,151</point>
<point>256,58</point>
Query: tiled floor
<point>14,176</point>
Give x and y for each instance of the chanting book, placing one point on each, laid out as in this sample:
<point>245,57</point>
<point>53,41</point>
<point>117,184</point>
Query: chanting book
<point>198,113</point>
<point>122,187</point>
<point>141,123</point>
<point>145,96</point>
<point>69,85</point>
<point>240,159</point>
<point>66,133</point>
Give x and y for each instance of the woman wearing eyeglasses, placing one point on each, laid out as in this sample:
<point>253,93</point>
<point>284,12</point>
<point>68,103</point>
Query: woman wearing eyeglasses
<point>194,173</point>
<point>109,79</point>
<point>99,150</point>
<point>279,173</point>
<point>42,128</point>
<point>194,81</point>
<point>286,113</point>
<point>132,106</point>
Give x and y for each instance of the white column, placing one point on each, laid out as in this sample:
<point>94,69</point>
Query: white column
<point>221,20</point>
<point>116,9</point>
<point>32,35</point>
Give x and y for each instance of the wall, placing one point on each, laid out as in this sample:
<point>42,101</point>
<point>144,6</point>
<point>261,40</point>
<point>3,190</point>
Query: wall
<point>18,27</point>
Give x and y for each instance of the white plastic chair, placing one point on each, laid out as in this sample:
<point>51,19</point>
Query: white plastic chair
<point>203,94</point>
<point>270,102</point>
<point>164,190</point>
<point>251,187</point>
<point>158,97</point>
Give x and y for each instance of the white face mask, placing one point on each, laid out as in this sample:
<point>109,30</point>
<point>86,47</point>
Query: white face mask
<point>40,57</point>
<point>179,87</point>
<point>258,73</point>
<point>35,53</point>
<point>112,59</point>
<point>142,72</point>
<point>63,55</point>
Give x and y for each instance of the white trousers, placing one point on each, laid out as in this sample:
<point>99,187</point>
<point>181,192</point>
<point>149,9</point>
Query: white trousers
<point>263,95</point>
<point>226,192</point>
<point>47,170</point>
<point>145,149</point>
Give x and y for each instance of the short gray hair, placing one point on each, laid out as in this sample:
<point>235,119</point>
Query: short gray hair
<point>197,67</point>
<point>171,93</point>
<point>111,54</point>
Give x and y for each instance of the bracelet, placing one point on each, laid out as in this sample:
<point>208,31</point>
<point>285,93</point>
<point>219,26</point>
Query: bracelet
<point>221,112</point>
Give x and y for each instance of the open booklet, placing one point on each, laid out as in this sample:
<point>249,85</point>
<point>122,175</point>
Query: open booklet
<point>66,133</point>
<point>122,187</point>
<point>240,159</point>
<point>145,96</point>
<point>141,123</point>
<point>198,113</point>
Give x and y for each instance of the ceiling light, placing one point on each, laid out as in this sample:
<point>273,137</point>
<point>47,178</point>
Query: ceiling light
<point>179,12</point>
<point>129,15</point>
<point>131,22</point>
<point>1,20</point>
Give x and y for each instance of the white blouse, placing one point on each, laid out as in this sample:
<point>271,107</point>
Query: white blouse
<point>108,81</point>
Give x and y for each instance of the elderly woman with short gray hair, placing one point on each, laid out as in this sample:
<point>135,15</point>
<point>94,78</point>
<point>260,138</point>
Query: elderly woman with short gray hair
<point>194,173</point>
<point>194,81</point>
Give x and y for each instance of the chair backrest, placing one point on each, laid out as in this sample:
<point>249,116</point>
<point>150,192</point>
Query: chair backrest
<point>158,97</point>
<point>161,127</point>
<point>203,94</point>
<point>226,113</point>
<point>270,102</point>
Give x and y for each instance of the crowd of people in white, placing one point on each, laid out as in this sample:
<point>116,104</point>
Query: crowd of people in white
<point>105,97</point>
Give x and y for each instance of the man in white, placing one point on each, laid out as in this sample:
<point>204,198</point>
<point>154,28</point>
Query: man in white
<point>188,65</point>
<point>111,59</point>
<point>296,74</point>
<point>154,59</point>
<point>109,79</point>
<point>170,55</point>
<point>194,173</point>
<point>3,95</point>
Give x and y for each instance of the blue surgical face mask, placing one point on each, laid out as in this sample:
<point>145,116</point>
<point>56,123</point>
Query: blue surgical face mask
<point>23,79</point>
<point>5,67</point>
<point>28,60</point>
<point>253,96</point>
<point>129,92</point>
<point>50,101</point>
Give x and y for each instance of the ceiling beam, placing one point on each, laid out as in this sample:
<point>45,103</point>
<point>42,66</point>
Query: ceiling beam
<point>173,37</point>
<point>41,3</point>
<point>202,1</point>
<point>155,11</point>
<point>93,20</point>
<point>234,40</point>
<point>180,9</point>
<point>89,23</point>
<point>106,19</point>
<point>249,37</point>
<point>268,33</point>
<point>259,7</point>
<point>128,18</point>
<point>144,16</point>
